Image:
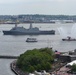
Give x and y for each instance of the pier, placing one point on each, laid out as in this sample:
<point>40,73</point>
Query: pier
<point>8,57</point>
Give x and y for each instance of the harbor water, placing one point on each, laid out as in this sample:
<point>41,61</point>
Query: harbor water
<point>16,45</point>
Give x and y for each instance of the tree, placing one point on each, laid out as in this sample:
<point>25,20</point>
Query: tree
<point>36,59</point>
<point>73,68</point>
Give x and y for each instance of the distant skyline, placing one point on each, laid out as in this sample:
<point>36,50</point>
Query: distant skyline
<point>45,7</point>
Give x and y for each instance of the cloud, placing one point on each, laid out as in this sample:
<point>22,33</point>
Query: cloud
<point>14,1</point>
<point>11,1</point>
<point>57,0</point>
<point>61,0</point>
<point>37,6</point>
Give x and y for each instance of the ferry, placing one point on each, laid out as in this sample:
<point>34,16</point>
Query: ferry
<point>31,40</point>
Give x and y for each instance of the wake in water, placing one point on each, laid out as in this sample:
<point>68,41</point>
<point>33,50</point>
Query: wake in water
<point>64,32</point>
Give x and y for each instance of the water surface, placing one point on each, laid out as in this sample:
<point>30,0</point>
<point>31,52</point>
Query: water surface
<point>15,45</point>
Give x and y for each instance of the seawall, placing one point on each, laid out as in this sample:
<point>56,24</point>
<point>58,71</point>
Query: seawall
<point>16,70</point>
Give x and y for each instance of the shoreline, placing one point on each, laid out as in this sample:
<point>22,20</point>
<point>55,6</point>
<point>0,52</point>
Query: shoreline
<point>13,67</point>
<point>16,70</point>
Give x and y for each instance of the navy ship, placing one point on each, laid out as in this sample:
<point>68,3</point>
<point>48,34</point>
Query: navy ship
<point>30,31</point>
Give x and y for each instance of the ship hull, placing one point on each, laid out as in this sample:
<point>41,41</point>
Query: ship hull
<point>68,39</point>
<point>31,41</point>
<point>28,33</point>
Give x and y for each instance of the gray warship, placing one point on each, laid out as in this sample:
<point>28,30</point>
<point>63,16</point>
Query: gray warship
<point>30,31</point>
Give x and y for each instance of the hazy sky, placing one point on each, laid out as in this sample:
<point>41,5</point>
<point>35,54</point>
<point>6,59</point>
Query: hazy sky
<point>48,7</point>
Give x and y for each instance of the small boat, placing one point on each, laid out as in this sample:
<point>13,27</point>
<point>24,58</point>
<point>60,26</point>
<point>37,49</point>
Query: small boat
<point>69,39</point>
<point>31,40</point>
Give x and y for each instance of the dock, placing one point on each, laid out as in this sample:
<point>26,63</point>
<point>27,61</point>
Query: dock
<point>8,57</point>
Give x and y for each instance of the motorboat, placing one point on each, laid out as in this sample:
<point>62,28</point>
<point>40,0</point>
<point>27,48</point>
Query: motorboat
<point>69,39</point>
<point>31,40</point>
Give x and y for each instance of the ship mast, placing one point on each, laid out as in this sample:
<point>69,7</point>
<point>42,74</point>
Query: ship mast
<point>16,23</point>
<point>30,25</point>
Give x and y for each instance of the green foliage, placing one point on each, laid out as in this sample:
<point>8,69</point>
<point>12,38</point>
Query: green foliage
<point>36,59</point>
<point>31,69</point>
<point>73,67</point>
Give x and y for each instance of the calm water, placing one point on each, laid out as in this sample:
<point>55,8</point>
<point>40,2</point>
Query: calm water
<point>15,45</point>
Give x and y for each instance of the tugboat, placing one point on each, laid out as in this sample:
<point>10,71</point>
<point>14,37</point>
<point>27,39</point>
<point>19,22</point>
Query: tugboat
<point>69,39</point>
<point>31,40</point>
<point>30,31</point>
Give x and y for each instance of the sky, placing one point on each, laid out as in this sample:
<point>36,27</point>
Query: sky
<point>45,7</point>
